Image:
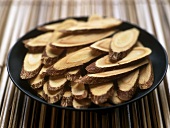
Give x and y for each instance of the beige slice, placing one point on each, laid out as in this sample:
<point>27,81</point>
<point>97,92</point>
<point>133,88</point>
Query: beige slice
<point>81,39</point>
<point>109,75</point>
<point>78,90</point>
<point>127,85</point>
<point>38,43</point>
<point>73,60</point>
<point>67,99</point>
<point>31,65</point>
<point>100,93</point>
<point>40,92</point>
<point>146,76</point>
<point>122,43</point>
<point>52,96</point>
<point>94,25</point>
<point>94,17</point>
<point>79,104</point>
<point>104,63</point>
<point>102,45</point>
<point>49,27</point>
<point>115,99</point>
<point>56,83</point>
<point>73,74</point>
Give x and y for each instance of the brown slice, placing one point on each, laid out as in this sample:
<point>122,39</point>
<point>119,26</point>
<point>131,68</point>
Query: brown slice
<point>100,93</point>
<point>56,83</point>
<point>37,44</point>
<point>31,65</point>
<point>104,63</point>
<point>78,90</point>
<point>81,39</point>
<point>94,17</point>
<point>127,85</point>
<point>84,103</point>
<point>43,71</point>
<point>105,23</point>
<point>67,99</point>
<point>73,74</point>
<point>122,43</point>
<point>51,55</point>
<point>72,60</point>
<point>102,45</point>
<point>146,76</point>
<point>109,75</point>
<point>115,99</point>
<point>52,96</point>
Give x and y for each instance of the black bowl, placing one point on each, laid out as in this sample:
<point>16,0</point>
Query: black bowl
<point>158,58</point>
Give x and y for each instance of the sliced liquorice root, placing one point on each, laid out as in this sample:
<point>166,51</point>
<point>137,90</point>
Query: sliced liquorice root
<point>67,99</point>
<point>37,44</point>
<point>48,27</point>
<point>115,99</point>
<point>81,39</point>
<point>73,74</point>
<point>109,75</point>
<point>94,17</point>
<point>100,93</point>
<point>122,43</point>
<point>102,45</point>
<point>81,104</point>
<point>146,76</point>
<point>52,96</point>
<point>78,90</point>
<point>104,63</point>
<point>37,81</point>
<point>56,83</point>
<point>51,55</point>
<point>127,85</point>
<point>31,65</point>
<point>71,60</point>
<point>40,93</point>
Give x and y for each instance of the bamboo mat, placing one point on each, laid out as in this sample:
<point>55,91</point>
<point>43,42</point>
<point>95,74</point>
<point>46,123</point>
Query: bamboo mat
<point>19,111</point>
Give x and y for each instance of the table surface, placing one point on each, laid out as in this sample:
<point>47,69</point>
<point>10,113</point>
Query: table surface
<point>19,111</point>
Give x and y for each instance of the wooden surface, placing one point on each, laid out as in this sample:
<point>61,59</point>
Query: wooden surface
<point>19,111</point>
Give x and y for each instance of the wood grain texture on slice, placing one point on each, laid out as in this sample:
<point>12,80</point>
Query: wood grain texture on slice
<point>127,85</point>
<point>102,45</point>
<point>146,76</point>
<point>100,24</point>
<point>109,75</point>
<point>122,43</point>
<point>31,65</point>
<point>52,96</point>
<point>94,17</point>
<point>81,39</point>
<point>73,74</point>
<point>51,55</point>
<point>37,44</point>
<point>100,93</point>
<point>78,90</point>
<point>56,83</point>
<point>104,63</point>
<point>83,103</point>
<point>67,99</point>
<point>37,81</point>
<point>71,60</point>
<point>115,99</point>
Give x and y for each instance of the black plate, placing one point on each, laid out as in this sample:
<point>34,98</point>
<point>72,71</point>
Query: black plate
<point>158,58</point>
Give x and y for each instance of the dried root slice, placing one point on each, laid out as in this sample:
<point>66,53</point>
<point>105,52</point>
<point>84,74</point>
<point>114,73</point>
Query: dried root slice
<point>74,59</point>
<point>84,103</point>
<point>43,72</point>
<point>100,93</point>
<point>78,90</point>
<point>104,63</point>
<point>73,74</point>
<point>51,55</point>
<point>37,82</point>
<point>52,96</point>
<point>105,23</point>
<point>122,43</point>
<point>40,93</point>
<point>31,65</point>
<point>127,85</point>
<point>56,83</point>
<point>115,99</point>
<point>37,44</point>
<point>109,75</point>
<point>94,17</point>
<point>102,45</point>
<point>146,76</point>
<point>48,27</point>
<point>67,99</point>
<point>81,39</point>
<point>139,44</point>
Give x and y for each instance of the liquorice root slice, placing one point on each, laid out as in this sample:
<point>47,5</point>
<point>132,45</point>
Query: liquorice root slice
<point>73,74</point>
<point>94,17</point>
<point>81,104</point>
<point>115,99</point>
<point>122,43</point>
<point>67,99</point>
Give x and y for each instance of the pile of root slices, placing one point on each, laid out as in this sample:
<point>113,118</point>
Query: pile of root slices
<point>80,64</point>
